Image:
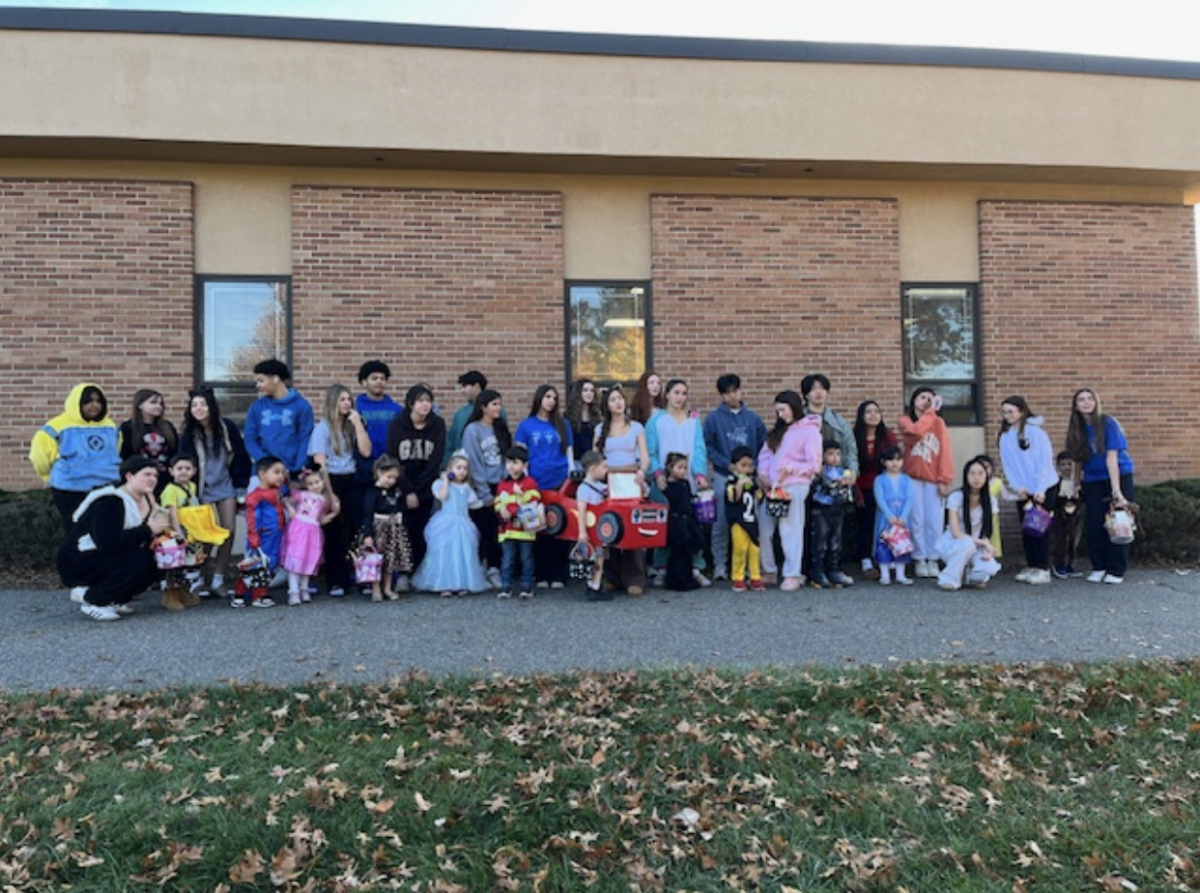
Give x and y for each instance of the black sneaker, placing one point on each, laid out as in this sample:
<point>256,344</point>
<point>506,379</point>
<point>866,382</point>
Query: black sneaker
<point>819,581</point>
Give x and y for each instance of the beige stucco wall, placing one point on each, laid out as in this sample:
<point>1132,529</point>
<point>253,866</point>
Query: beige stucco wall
<point>368,99</point>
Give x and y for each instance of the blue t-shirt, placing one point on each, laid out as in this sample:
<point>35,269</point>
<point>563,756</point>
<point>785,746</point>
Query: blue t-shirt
<point>1095,468</point>
<point>377,415</point>
<point>549,464</point>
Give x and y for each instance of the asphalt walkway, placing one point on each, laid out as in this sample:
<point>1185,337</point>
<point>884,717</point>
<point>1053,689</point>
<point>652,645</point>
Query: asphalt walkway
<point>46,643</point>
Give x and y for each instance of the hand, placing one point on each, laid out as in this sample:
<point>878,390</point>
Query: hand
<point>943,490</point>
<point>505,513</point>
<point>701,482</point>
<point>354,417</point>
<point>158,522</point>
<point>412,501</point>
<point>936,403</point>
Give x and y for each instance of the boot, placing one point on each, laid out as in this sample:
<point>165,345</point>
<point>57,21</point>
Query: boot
<point>189,598</point>
<point>173,599</point>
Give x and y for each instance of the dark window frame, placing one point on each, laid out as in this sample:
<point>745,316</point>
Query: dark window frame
<point>975,383</point>
<point>648,329</point>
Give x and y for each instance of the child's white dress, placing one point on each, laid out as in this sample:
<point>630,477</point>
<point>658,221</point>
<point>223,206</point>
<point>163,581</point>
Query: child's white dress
<point>452,560</point>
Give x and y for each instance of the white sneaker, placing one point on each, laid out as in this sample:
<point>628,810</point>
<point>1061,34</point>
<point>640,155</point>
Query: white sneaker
<point>1023,576</point>
<point>558,584</point>
<point>293,599</point>
<point>921,569</point>
<point>1113,578</point>
<point>1096,577</point>
<point>78,593</point>
<point>493,577</point>
<point>1038,576</point>
<point>904,581</point>
<point>100,612</point>
<point>701,579</point>
<point>124,610</point>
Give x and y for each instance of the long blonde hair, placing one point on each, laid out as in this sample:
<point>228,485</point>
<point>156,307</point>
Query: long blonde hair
<point>341,432</point>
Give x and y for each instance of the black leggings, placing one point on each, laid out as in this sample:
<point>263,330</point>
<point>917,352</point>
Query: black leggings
<point>1037,548</point>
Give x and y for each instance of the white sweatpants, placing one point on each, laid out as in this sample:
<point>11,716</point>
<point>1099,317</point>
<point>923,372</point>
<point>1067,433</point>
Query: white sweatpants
<point>791,533</point>
<point>964,561</point>
<point>927,520</point>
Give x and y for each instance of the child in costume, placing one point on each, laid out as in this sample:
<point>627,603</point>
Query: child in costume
<point>182,492</point>
<point>743,496</point>
<point>266,518</point>
<point>451,564</point>
<point>303,541</point>
<point>593,490</point>
<point>684,537</point>
<point>893,491</point>
<point>517,492</point>
<point>1067,529</point>
<point>383,529</point>
<point>832,492</point>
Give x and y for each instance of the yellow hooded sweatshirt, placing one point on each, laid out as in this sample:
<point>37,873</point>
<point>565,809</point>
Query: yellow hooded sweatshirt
<point>71,453</point>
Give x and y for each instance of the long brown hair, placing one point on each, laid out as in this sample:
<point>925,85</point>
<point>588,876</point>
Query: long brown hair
<point>1077,440</point>
<point>642,406</point>
<point>793,400</point>
<point>138,428</point>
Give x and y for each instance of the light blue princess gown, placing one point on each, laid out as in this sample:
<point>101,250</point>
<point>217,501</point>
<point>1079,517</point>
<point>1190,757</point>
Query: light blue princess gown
<point>452,561</point>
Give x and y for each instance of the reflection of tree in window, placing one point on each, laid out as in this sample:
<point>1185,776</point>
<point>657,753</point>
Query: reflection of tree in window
<point>608,335</point>
<point>244,324</point>
<point>939,336</point>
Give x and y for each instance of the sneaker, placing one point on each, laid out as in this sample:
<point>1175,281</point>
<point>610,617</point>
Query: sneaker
<point>1061,572</point>
<point>768,579</point>
<point>837,578</point>
<point>100,612</point>
<point>558,584</point>
<point>790,584</point>
<point>124,609</point>
<point>698,575</point>
<point>1023,576</point>
<point>504,593</point>
<point>982,584</point>
<point>818,580</point>
<point>904,581</point>
<point>293,599</point>
<point>886,581</point>
<point>264,602</point>
<point>237,602</point>
<point>758,586</point>
<point>870,573</point>
<point>402,584</point>
<point>631,590</point>
<point>931,569</point>
<point>336,592</point>
<point>543,584</point>
<point>720,575</point>
<point>1072,571</point>
<point>1038,576</point>
<point>493,578</point>
<point>527,594</point>
<point>948,587</point>
<point>1113,578</point>
<point>599,595</point>
<point>313,589</point>
<point>739,585</point>
<point>78,593</point>
<point>1096,577</point>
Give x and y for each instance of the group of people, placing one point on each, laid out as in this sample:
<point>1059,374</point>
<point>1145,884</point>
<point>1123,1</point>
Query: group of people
<point>457,508</point>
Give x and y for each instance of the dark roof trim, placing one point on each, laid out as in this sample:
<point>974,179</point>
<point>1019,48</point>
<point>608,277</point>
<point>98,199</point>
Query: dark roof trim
<point>446,37</point>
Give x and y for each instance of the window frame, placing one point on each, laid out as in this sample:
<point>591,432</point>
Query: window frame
<point>234,386</point>
<point>975,384</point>
<point>648,329</point>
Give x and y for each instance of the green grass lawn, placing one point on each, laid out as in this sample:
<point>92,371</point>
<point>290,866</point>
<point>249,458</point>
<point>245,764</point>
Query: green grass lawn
<point>923,778</point>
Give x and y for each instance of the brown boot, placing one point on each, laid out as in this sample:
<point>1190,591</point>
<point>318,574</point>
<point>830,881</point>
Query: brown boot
<point>189,598</point>
<point>172,599</point>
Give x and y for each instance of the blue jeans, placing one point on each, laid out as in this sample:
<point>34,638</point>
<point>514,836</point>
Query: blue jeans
<point>511,549</point>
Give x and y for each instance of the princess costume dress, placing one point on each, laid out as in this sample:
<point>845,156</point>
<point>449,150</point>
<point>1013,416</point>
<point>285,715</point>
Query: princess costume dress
<point>303,541</point>
<point>452,561</point>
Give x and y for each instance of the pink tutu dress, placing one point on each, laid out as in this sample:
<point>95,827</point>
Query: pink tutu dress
<point>303,540</point>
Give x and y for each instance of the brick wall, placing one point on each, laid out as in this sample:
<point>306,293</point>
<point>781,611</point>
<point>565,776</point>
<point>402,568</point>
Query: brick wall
<point>95,284</point>
<point>435,282</point>
<point>1101,296</point>
<point>774,288</point>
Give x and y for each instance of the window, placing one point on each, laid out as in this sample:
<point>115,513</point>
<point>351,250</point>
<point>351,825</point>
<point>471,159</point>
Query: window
<point>941,346</point>
<point>608,331</point>
<point>240,321</point>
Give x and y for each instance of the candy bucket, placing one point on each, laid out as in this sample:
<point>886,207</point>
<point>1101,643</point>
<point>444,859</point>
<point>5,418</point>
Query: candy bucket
<point>778,502</point>
<point>532,517</point>
<point>1120,526</point>
<point>169,553</point>
<point>704,504</point>
<point>368,566</point>
<point>582,560</point>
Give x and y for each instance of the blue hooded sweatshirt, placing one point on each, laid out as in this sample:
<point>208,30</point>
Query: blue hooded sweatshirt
<point>280,428</point>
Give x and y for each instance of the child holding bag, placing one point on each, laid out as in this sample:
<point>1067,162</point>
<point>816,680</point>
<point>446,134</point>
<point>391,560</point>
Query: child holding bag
<point>893,492</point>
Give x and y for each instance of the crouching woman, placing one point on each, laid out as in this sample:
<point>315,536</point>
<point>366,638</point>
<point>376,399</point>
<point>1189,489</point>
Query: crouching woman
<point>106,558</point>
<point>966,545</point>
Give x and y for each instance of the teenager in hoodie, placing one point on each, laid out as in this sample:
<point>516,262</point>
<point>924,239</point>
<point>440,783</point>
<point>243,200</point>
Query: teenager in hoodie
<point>789,460</point>
<point>1027,458</point>
<point>731,425</point>
<point>417,437</point>
<point>77,451</point>
<point>280,422</point>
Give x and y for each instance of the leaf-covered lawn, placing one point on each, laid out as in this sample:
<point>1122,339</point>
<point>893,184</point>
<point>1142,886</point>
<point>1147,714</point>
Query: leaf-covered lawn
<point>925,778</point>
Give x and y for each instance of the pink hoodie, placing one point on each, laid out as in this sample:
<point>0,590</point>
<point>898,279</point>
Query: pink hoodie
<point>798,459</point>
